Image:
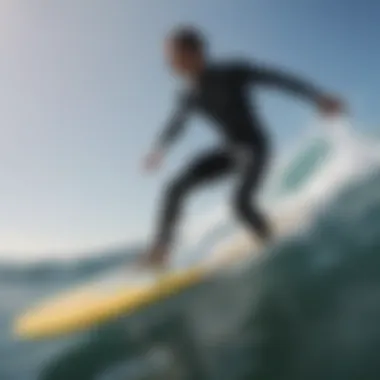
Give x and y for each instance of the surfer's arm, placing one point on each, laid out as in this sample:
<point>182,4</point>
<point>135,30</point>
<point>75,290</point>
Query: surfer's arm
<point>256,74</point>
<point>285,81</point>
<point>175,126</point>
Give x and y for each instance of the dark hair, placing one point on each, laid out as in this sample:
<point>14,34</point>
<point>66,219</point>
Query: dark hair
<point>189,38</point>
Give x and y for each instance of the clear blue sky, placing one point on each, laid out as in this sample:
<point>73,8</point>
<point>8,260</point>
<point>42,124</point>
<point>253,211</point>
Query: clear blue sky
<point>84,90</point>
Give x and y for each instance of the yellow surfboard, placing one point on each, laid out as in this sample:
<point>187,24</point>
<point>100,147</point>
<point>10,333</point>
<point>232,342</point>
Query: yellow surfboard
<point>119,294</point>
<point>123,293</point>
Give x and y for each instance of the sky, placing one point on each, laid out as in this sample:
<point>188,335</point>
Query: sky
<point>84,91</point>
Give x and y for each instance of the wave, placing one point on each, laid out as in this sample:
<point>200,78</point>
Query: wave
<point>311,297</point>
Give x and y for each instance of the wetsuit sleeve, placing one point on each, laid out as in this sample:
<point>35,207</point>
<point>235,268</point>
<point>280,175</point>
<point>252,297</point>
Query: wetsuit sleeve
<point>176,123</point>
<point>280,79</point>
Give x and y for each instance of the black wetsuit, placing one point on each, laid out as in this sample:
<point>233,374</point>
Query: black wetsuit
<point>222,95</point>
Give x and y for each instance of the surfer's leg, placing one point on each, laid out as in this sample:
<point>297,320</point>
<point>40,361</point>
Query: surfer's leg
<point>252,169</point>
<point>206,168</point>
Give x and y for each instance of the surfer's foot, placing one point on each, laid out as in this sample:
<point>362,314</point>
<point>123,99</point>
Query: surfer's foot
<point>264,236</point>
<point>156,257</point>
<point>267,229</point>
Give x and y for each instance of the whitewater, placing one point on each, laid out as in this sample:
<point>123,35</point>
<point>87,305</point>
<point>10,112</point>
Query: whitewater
<point>302,183</point>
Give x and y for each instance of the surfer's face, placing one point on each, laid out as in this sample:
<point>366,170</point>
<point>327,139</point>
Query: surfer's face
<point>184,62</point>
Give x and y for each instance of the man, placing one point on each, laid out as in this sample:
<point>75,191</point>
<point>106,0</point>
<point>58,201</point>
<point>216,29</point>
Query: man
<point>220,92</point>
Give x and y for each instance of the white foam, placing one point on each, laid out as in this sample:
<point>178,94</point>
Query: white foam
<point>352,157</point>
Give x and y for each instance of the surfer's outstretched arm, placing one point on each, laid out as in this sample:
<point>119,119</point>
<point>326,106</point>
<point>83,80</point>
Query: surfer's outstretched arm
<point>286,81</point>
<point>175,125</point>
<point>259,74</point>
<point>169,134</point>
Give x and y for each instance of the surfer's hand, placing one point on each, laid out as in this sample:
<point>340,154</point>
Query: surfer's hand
<point>153,160</point>
<point>330,106</point>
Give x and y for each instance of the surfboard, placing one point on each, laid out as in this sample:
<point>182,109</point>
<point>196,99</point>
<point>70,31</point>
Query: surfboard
<point>130,290</point>
<point>118,294</point>
<point>122,293</point>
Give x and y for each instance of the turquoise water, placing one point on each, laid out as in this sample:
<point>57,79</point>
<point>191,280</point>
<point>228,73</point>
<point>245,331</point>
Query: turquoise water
<point>308,310</point>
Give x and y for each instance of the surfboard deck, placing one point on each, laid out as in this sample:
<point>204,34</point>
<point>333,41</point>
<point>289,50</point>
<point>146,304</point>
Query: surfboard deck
<point>118,294</point>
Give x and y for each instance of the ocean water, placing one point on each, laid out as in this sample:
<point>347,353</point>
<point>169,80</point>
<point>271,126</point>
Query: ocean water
<point>309,308</point>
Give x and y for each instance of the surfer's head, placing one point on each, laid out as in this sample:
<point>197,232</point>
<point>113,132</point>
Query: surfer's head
<point>186,51</point>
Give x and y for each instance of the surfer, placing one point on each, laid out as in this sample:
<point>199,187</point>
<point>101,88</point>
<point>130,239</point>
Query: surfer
<point>219,90</point>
